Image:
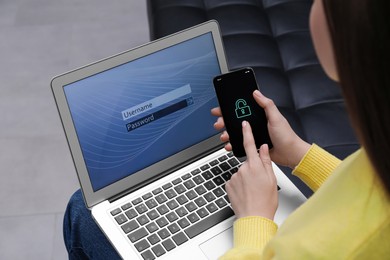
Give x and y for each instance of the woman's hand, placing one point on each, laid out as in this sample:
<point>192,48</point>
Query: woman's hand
<point>288,148</point>
<point>253,189</point>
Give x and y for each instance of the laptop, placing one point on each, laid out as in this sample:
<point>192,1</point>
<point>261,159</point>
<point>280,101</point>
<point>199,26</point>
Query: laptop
<point>150,164</point>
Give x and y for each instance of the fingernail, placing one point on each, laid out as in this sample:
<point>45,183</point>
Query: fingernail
<point>244,123</point>
<point>257,93</point>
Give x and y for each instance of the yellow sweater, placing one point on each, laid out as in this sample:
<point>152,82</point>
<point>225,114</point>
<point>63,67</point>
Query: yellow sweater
<point>347,218</point>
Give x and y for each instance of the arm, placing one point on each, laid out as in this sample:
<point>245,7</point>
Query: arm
<point>315,167</point>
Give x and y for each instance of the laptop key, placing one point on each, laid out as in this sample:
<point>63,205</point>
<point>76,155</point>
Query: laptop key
<point>193,217</point>
<point>222,158</point>
<point>161,222</point>
<point>131,213</point>
<point>137,201</point>
<point>147,196</point>
<point>171,216</point>
<point>162,209</point>
<point>214,162</point>
<point>218,192</point>
<point>225,166</point>
<point>142,245</point>
<point>209,222</point>
<point>180,238</point>
<point>167,186</point>
<point>191,206</point>
<point>168,244</point>
<point>186,176</point>
<point>126,206</point>
<point>182,199</point>
<point>197,171</point>
<point>218,181</point>
<point>226,176</point>
<point>161,198</point>
<point>189,184</point>
<point>180,189</point>
<point>183,222</point>
<point>202,212</point>
<point>216,170</point>
<point>234,170</point>
<point>209,185</point>
<point>128,227</point>
<point>138,234</point>
<point>191,195</point>
<point>116,212</point>
<point>200,201</point>
<point>212,207</point>
<point>120,219</point>
<point>172,204</point>
<point>152,214</point>
<point>151,227</point>
<point>221,202</point>
<point>142,220</point>
<point>209,196</point>
<point>207,175</point>
<point>153,239</point>
<point>233,162</point>
<point>200,190</point>
<point>163,233</point>
<point>205,167</point>
<point>151,203</point>
<point>148,255</point>
<point>198,179</point>
<point>181,212</point>
<point>170,194</point>
<point>158,250</point>
<point>173,228</point>
<point>141,208</point>
<point>176,181</point>
<point>157,191</point>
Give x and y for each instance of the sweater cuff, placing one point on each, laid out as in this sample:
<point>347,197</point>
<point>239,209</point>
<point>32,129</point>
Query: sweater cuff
<point>253,232</point>
<point>315,167</point>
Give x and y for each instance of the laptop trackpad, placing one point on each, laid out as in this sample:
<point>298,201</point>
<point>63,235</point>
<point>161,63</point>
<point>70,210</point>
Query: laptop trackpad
<point>218,245</point>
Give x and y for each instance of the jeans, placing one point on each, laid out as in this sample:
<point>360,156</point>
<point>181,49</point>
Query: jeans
<point>83,238</point>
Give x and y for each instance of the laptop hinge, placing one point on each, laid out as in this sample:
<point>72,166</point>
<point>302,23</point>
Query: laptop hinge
<point>163,174</point>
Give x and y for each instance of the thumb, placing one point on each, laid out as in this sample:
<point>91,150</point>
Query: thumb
<point>271,111</point>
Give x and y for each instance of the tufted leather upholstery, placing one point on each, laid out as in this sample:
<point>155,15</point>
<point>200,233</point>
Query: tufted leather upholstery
<point>272,37</point>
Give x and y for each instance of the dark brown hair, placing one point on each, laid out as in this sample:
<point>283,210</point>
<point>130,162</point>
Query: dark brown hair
<point>360,32</point>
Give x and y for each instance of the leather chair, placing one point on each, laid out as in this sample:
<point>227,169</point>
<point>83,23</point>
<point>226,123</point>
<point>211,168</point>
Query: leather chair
<point>272,37</point>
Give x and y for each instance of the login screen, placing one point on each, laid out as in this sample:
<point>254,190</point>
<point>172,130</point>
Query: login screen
<point>141,112</point>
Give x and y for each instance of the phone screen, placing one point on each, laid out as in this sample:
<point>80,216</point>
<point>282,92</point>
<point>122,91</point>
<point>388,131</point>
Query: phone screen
<point>235,96</point>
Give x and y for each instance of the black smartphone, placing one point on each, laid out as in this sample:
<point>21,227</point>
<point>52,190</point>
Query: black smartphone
<point>235,97</point>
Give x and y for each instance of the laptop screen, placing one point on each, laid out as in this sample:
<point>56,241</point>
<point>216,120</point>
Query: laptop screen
<point>141,112</point>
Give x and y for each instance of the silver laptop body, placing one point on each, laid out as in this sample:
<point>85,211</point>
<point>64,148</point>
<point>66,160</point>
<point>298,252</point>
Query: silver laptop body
<point>151,167</point>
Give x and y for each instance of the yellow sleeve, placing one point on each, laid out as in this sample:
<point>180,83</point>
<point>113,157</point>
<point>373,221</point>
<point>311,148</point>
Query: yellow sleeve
<point>315,167</point>
<point>251,234</point>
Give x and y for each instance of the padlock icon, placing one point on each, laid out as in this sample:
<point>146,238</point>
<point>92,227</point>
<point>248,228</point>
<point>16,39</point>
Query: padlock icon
<point>242,110</point>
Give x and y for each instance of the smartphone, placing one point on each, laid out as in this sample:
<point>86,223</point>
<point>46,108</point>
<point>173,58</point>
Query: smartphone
<point>235,97</point>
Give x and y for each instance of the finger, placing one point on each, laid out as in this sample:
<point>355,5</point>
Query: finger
<point>225,137</point>
<point>216,111</point>
<point>268,105</point>
<point>249,141</point>
<point>219,124</point>
<point>265,157</point>
<point>228,147</point>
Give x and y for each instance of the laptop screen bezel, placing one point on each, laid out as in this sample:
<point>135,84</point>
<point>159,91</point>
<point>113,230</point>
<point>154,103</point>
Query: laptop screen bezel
<point>58,83</point>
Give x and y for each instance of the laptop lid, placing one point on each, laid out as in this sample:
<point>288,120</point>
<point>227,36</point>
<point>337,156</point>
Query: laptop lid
<point>136,116</point>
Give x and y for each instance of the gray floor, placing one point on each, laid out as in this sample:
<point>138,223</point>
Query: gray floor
<point>38,40</point>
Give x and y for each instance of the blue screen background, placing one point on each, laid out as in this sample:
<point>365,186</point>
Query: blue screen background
<point>109,150</point>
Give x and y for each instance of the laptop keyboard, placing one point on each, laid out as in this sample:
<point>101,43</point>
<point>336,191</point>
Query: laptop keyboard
<point>168,216</point>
